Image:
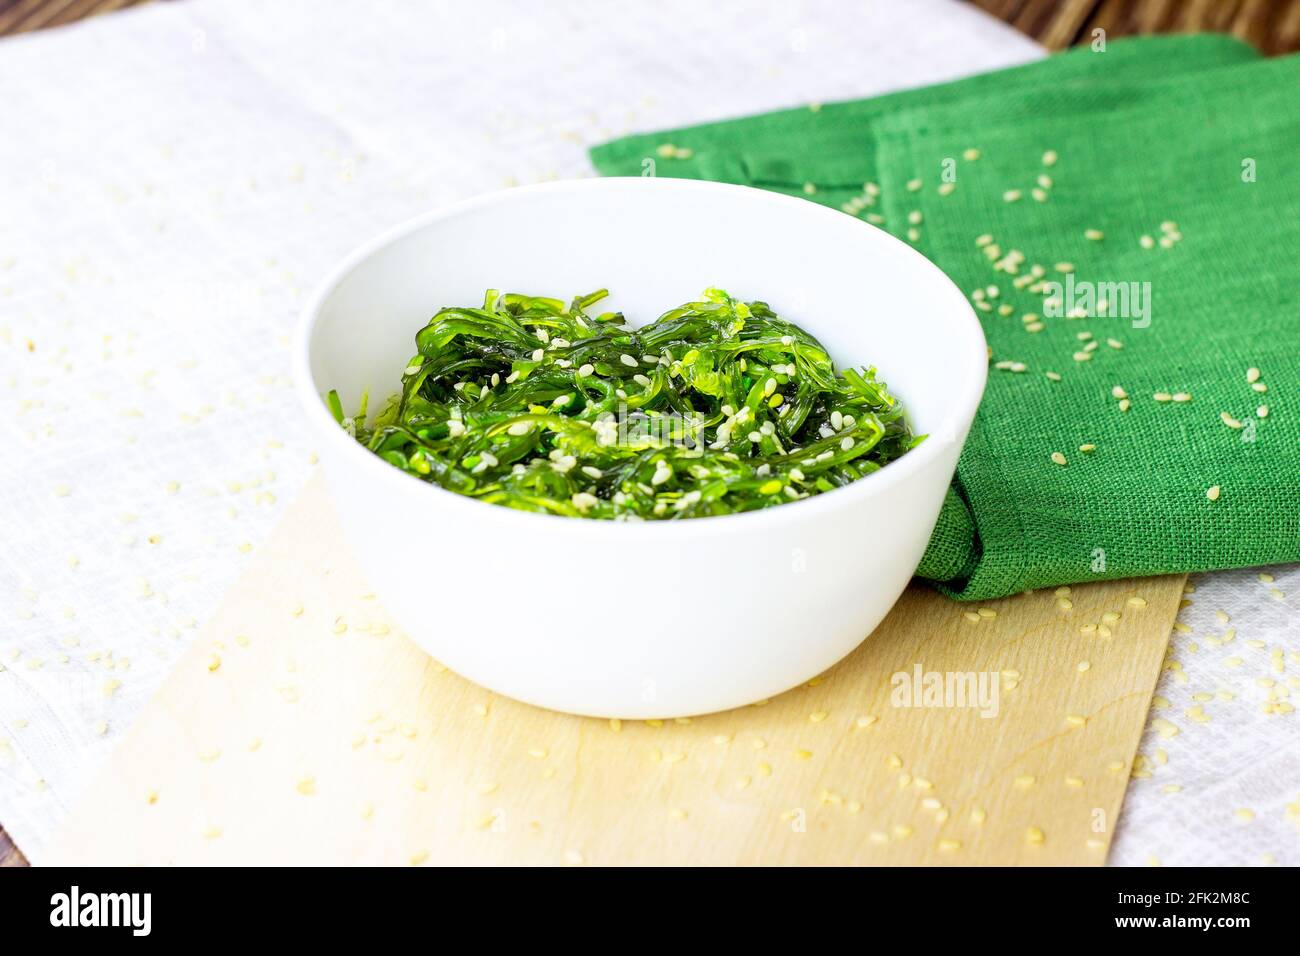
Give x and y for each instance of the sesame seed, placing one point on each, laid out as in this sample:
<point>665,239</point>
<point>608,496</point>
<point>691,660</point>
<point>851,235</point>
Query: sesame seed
<point>1162,396</point>
<point>1086,448</point>
<point>914,217</point>
<point>1034,836</point>
<point>971,154</point>
<point>809,189</point>
<point>1262,411</point>
<point>628,360</point>
<point>1049,158</point>
<point>913,185</point>
<point>1146,242</point>
<point>1096,235</point>
<point>1118,392</point>
<point>1011,195</point>
<point>1083,667</point>
<point>1058,458</point>
<point>946,189</point>
<point>1038,194</point>
<point>1252,375</point>
<point>1124,404</point>
<point>1181,397</point>
<point>983,240</point>
<point>1212,492</point>
<point>1229,420</point>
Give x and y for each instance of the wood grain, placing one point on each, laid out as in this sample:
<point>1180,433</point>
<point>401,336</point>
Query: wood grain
<point>1272,26</point>
<point>10,854</point>
<point>24,16</point>
<point>301,711</point>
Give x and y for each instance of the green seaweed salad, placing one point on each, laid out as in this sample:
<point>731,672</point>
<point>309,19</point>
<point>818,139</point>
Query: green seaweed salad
<point>716,407</point>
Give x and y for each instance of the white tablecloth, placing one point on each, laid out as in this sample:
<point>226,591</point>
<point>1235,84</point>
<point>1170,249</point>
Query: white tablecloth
<point>172,180</point>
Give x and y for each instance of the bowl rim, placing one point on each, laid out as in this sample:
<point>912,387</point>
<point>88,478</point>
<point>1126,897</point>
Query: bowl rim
<point>942,436</point>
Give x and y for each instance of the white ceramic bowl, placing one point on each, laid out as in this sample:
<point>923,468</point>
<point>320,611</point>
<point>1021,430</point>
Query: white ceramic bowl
<point>645,619</point>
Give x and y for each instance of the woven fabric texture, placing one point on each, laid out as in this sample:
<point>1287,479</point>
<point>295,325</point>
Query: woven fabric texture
<point>1127,222</point>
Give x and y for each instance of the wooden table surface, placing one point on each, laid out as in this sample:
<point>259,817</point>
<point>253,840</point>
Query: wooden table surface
<point>1273,26</point>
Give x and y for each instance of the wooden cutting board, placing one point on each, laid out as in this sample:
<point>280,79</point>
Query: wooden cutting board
<point>303,727</point>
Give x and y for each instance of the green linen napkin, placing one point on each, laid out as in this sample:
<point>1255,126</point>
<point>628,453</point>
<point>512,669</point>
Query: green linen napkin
<point>1128,225</point>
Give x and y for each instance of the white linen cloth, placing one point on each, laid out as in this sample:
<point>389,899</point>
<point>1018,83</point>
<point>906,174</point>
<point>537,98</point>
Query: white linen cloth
<point>173,179</point>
